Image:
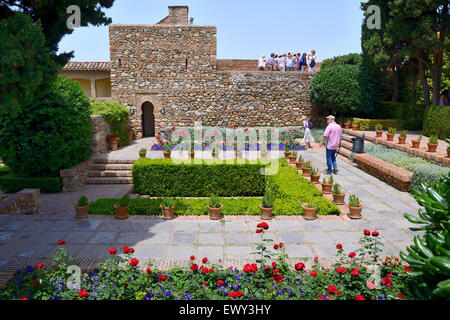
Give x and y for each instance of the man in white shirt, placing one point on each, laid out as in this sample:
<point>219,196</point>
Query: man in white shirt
<point>261,63</point>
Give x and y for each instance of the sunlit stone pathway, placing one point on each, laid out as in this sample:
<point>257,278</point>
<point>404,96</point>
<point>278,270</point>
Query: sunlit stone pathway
<point>28,239</point>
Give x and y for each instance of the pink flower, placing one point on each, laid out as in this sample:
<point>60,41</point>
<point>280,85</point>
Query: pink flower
<point>371,285</point>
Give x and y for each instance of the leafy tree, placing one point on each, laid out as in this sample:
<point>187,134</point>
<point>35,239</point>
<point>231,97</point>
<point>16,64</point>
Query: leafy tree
<point>53,18</point>
<point>48,136</point>
<point>351,58</point>
<point>25,63</point>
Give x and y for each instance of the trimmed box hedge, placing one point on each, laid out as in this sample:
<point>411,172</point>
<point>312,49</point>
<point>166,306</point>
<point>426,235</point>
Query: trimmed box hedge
<point>437,122</point>
<point>10,183</point>
<point>164,178</point>
<point>369,124</point>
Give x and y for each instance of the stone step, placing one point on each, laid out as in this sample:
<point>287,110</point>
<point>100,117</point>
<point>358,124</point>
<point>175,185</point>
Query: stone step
<point>111,166</point>
<point>346,145</point>
<point>106,173</point>
<point>112,161</point>
<point>109,180</point>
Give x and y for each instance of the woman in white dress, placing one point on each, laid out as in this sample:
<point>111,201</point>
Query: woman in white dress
<point>308,138</point>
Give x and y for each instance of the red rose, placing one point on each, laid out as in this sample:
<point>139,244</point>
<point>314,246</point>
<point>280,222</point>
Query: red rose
<point>211,270</point>
<point>275,271</point>
<point>375,234</point>
<point>332,289</point>
<point>400,295</point>
<point>314,273</point>
<point>162,278</point>
<point>61,242</point>
<point>359,297</point>
<point>366,232</point>
<point>387,282</point>
<point>263,225</point>
<point>36,283</point>
<point>275,247</point>
<point>204,271</point>
<point>127,250</point>
<point>341,270</point>
<point>149,271</point>
<point>339,246</point>
<point>134,262</point>
<point>258,230</point>
<point>125,285</point>
<point>205,260</point>
<point>39,266</point>
<point>192,258</point>
<point>316,259</point>
<point>82,293</point>
<point>352,254</point>
<point>274,264</point>
<point>355,272</point>
<point>194,267</point>
<point>220,283</point>
<point>24,298</point>
<point>112,251</point>
<point>299,266</point>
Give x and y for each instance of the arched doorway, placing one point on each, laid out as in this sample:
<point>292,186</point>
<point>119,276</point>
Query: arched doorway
<point>148,120</point>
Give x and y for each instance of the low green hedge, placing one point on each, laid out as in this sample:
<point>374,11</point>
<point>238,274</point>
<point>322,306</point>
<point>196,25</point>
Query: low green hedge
<point>164,178</point>
<point>369,124</point>
<point>10,183</point>
<point>412,115</point>
<point>436,122</point>
<point>4,170</point>
<point>187,207</point>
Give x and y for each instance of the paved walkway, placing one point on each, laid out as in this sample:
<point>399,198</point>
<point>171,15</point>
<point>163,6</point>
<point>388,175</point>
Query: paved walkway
<point>33,238</point>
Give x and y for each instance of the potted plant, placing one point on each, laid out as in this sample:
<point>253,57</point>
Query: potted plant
<point>142,153</point>
<point>448,147</point>
<point>215,151</point>
<point>355,207</point>
<point>287,151</point>
<point>309,211</point>
<point>433,143</point>
<point>82,208</point>
<point>402,137</point>
<point>416,143</point>
<point>299,162</point>
<point>192,151</point>
<point>293,157</point>
<point>266,208</point>
<point>168,209</point>
<point>122,207</point>
<point>347,124</point>
<point>167,151</point>
<point>327,185</point>
<point>315,175</point>
<point>338,194</point>
<point>306,169</point>
<point>391,133</point>
<point>355,127</point>
<point>379,130</point>
<point>130,133</point>
<point>112,141</point>
<point>215,208</point>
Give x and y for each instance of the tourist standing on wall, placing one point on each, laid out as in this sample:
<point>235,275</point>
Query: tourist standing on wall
<point>312,61</point>
<point>332,140</point>
<point>272,62</point>
<point>261,63</point>
<point>282,63</point>
<point>290,62</point>
<point>297,64</point>
<point>304,62</point>
<point>308,137</point>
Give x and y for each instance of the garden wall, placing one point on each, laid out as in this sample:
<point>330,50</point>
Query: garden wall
<point>23,202</point>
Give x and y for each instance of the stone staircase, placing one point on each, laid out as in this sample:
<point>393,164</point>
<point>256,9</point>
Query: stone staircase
<point>107,171</point>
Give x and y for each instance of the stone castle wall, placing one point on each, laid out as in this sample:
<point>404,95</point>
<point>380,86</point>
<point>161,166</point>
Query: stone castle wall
<point>175,68</point>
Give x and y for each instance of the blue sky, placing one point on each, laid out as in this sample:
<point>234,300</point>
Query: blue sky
<point>245,28</point>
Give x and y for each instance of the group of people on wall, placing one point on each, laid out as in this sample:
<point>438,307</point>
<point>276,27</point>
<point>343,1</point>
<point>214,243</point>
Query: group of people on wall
<point>288,62</point>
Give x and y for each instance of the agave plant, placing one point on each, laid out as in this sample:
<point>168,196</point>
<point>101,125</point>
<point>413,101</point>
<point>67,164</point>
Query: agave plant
<point>336,189</point>
<point>429,256</point>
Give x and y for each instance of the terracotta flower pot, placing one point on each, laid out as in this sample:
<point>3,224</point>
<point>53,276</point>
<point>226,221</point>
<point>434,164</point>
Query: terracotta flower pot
<point>292,159</point>
<point>266,213</point>
<point>339,198</point>
<point>355,127</point>
<point>192,155</point>
<point>166,155</point>
<point>299,164</point>
<point>355,212</point>
<point>347,125</point>
<point>121,212</point>
<point>390,136</point>
<point>379,133</point>
<point>264,154</point>
<point>142,154</point>
<point>306,172</point>
<point>112,146</point>
<point>214,154</point>
<point>341,124</point>
<point>415,144</point>
<point>168,213</point>
<point>401,140</point>
<point>326,188</point>
<point>448,153</point>
<point>309,213</point>
<point>432,147</point>
<point>215,213</point>
<point>287,154</point>
<point>315,178</point>
<point>82,212</point>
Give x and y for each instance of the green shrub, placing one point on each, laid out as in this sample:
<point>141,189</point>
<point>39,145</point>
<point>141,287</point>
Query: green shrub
<point>124,201</point>
<point>411,115</point>
<point>116,115</point>
<point>54,134</point>
<point>345,90</point>
<point>378,127</point>
<point>436,122</point>
<point>10,183</point>
<point>164,178</point>
<point>268,200</point>
<point>370,124</point>
<point>351,58</point>
<point>83,201</point>
<point>4,170</point>
<point>168,203</point>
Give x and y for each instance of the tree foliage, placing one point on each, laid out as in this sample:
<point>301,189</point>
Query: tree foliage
<point>26,66</point>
